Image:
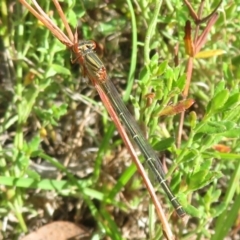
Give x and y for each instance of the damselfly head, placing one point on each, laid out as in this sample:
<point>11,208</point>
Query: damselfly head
<point>86,46</point>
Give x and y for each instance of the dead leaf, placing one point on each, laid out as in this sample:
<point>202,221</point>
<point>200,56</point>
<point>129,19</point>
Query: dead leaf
<point>60,230</point>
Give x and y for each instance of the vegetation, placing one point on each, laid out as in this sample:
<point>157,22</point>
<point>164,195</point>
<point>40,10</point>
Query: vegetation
<point>61,157</point>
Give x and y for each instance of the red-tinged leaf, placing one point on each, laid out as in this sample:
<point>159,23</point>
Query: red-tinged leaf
<point>189,46</point>
<point>203,37</point>
<point>209,53</point>
<point>28,79</point>
<point>178,108</point>
<point>149,97</point>
<point>222,148</point>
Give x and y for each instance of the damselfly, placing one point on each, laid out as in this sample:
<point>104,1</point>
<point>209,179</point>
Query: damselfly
<point>95,70</point>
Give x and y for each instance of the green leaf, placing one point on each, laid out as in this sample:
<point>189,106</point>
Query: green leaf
<point>144,75</point>
<point>33,174</point>
<point>219,209</point>
<point>162,68</point>
<point>198,136</point>
<point>154,64</point>
<point>8,123</point>
<point>23,160</point>
<point>194,212</point>
<point>219,100</point>
<point>163,144</point>
<point>197,178</point>
<point>60,69</point>
<point>206,164</point>
<point>59,111</point>
<point>33,145</point>
<point>72,18</point>
<point>228,124</point>
<point>207,198</point>
<point>212,128</point>
<point>180,83</point>
<point>36,153</point>
<point>219,87</point>
<point>202,178</point>
<point>169,76</point>
<point>233,133</point>
<point>217,127</point>
<point>215,195</point>
<point>52,114</point>
<point>190,156</point>
<point>233,114</point>
<point>232,101</point>
<point>175,181</point>
<point>50,73</point>
<point>193,119</point>
<point>111,26</point>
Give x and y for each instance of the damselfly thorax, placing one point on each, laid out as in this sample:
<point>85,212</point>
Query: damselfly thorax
<point>90,60</point>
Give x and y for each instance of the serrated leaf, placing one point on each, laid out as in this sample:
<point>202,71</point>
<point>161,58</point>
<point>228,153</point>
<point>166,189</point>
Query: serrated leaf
<point>209,53</point>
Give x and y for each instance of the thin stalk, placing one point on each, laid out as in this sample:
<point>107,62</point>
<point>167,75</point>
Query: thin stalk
<point>150,30</point>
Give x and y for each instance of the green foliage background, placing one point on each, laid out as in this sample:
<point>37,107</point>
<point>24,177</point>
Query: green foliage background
<point>50,114</point>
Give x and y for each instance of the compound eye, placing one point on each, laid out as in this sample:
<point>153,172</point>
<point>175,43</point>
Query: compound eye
<point>89,46</point>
